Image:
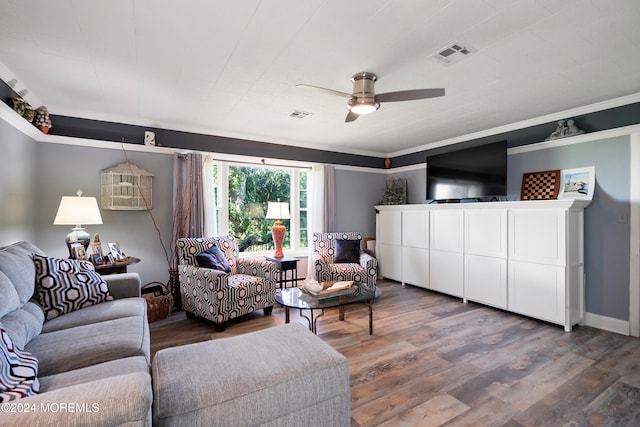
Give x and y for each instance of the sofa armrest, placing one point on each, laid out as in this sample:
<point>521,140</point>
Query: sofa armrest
<point>123,285</point>
<point>120,400</point>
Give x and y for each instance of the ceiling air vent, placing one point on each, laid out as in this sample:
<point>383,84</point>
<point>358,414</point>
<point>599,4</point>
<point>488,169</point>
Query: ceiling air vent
<point>453,53</point>
<point>297,114</point>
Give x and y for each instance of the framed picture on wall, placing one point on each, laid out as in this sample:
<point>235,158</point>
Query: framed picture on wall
<point>577,183</point>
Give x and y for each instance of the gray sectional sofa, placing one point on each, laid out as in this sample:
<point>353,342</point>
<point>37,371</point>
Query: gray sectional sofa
<point>94,365</point>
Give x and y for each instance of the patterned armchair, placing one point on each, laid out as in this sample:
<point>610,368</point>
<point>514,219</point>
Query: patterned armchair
<point>366,271</point>
<point>219,296</point>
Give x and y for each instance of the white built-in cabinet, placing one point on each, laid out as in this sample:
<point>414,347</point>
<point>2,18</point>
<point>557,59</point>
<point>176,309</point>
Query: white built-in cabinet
<point>525,257</point>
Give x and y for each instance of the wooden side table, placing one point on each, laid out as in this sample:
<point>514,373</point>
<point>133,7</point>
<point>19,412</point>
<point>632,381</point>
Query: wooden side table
<point>116,267</point>
<point>285,264</point>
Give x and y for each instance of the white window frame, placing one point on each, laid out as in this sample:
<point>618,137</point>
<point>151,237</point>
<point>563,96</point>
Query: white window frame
<point>222,204</point>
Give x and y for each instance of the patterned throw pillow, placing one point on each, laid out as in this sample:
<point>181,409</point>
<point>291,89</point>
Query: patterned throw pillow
<point>64,285</point>
<point>213,258</point>
<point>347,251</point>
<point>18,371</point>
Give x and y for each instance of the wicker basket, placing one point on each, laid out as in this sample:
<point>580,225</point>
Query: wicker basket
<point>159,301</point>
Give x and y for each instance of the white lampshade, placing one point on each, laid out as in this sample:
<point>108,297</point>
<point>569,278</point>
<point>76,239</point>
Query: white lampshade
<point>278,210</point>
<point>78,210</point>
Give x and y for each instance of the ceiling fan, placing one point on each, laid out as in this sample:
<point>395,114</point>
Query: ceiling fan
<point>364,100</point>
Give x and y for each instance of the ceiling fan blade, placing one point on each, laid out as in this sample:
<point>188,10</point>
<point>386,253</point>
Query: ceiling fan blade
<point>351,116</point>
<point>325,90</point>
<point>409,95</point>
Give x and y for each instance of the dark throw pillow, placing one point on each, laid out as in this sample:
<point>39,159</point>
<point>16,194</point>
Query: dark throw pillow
<point>346,251</point>
<point>214,259</point>
<point>64,285</point>
<point>18,371</point>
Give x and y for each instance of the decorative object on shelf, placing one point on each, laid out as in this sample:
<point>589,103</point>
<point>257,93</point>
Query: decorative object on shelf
<point>577,183</point>
<point>76,211</point>
<point>149,138</point>
<point>278,211</point>
<point>542,185</point>
<point>564,129</point>
<point>23,108</point>
<point>126,187</point>
<point>395,192</point>
<point>42,120</point>
<point>387,163</point>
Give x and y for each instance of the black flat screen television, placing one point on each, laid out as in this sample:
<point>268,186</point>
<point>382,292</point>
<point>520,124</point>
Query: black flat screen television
<point>471,173</point>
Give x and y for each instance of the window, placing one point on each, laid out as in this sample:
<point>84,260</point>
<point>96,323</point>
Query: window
<point>242,193</point>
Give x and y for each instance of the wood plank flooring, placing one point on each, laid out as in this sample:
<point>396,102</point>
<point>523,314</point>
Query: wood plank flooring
<point>433,360</point>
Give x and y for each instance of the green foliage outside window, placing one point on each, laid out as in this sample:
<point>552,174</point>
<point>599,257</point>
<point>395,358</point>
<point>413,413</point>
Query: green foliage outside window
<point>250,190</point>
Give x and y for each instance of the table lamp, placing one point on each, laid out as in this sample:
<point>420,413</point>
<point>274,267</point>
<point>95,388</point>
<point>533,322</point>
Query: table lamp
<point>278,211</point>
<point>76,211</point>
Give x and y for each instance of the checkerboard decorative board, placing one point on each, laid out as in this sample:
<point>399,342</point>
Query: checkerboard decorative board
<point>542,185</point>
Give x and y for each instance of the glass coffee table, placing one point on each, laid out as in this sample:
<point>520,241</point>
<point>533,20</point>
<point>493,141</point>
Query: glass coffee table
<point>298,299</point>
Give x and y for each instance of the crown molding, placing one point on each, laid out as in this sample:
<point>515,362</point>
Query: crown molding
<point>599,106</point>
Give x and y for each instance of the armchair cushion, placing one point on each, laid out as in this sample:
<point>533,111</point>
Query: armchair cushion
<point>347,251</point>
<point>214,259</point>
<point>65,285</point>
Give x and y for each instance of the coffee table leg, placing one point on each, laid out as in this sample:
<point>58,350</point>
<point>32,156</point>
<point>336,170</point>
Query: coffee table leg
<point>370,317</point>
<point>286,315</point>
<point>341,313</point>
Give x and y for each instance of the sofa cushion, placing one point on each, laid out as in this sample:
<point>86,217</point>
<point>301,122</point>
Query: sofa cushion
<point>23,324</point>
<point>16,275</point>
<point>346,251</point>
<point>109,310</point>
<point>18,371</point>
<point>65,285</point>
<point>213,258</point>
<point>110,369</point>
<point>90,344</point>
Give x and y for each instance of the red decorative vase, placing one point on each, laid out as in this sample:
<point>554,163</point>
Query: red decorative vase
<point>277,231</point>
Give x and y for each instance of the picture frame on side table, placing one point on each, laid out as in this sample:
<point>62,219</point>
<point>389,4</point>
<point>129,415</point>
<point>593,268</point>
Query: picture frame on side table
<point>108,259</point>
<point>96,259</point>
<point>116,251</point>
<point>79,253</point>
<point>578,183</point>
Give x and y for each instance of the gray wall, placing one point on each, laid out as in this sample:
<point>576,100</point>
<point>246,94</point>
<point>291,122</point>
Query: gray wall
<point>607,243</point>
<point>65,168</point>
<point>356,195</point>
<point>17,181</point>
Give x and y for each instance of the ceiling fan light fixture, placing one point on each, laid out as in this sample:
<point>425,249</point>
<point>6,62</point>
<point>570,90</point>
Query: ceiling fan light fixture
<point>363,106</point>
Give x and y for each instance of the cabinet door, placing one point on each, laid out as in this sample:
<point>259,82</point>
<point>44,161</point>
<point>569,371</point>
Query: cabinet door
<point>537,235</point>
<point>389,228</point>
<point>485,232</point>
<point>415,229</point>
<point>415,266</point>
<point>537,290</point>
<point>485,280</point>
<point>445,272</point>
<point>390,261</point>
<point>445,230</point>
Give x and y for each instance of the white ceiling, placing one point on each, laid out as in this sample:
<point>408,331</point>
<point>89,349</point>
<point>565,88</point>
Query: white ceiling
<point>230,68</point>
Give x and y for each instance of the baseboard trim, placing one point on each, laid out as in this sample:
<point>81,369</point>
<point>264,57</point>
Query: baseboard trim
<point>607,323</point>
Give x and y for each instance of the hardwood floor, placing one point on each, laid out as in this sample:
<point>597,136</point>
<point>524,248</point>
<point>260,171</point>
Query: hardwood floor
<point>433,360</point>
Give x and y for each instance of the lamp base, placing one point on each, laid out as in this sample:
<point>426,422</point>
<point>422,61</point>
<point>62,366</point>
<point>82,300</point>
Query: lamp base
<point>277,231</point>
<point>78,234</point>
